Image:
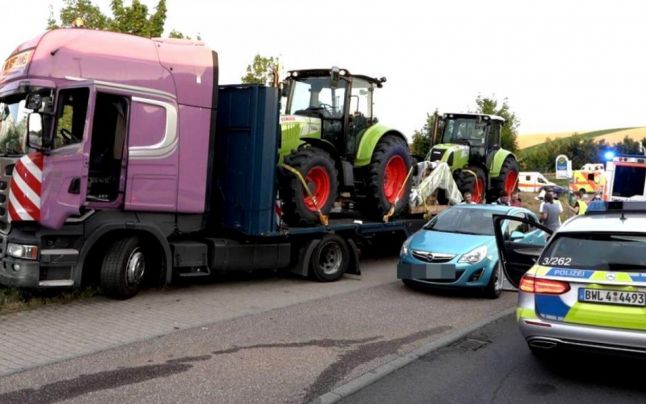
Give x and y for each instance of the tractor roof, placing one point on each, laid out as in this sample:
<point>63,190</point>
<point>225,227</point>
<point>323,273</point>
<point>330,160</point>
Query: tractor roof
<point>343,72</point>
<point>473,115</point>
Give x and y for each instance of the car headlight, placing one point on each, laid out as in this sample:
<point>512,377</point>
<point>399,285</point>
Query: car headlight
<point>29,252</point>
<point>474,256</point>
<point>405,250</point>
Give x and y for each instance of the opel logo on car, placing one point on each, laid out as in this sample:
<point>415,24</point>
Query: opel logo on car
<point>429,256</point>
<point>611,277</point>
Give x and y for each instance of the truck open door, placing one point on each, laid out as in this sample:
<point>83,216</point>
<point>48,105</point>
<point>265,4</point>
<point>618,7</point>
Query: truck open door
<point>65,167</point>
<point>520,242</point>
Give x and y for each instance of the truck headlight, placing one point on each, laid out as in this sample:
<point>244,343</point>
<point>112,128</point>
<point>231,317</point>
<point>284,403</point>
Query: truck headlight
<point>24,251</point>
<point>474,256</point>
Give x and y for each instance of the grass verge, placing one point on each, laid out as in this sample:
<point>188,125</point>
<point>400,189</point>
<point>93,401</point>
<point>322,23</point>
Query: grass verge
<point>13,300</point>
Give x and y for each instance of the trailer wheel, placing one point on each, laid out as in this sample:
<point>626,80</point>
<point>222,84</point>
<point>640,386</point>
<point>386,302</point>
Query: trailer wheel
<point>385,176</point>
<point>317,168</point>
<point>330,259</point>
<point>123,268</point>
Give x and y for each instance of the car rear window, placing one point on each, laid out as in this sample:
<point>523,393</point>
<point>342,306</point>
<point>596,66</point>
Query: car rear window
<point>597,251</point>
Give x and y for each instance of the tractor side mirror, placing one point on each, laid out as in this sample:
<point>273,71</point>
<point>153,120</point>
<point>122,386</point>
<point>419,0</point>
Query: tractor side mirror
<point>285,88</point>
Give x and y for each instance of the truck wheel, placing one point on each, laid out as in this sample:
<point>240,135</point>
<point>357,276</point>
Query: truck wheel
<point>507,180</point>
<point>330,259</point>
<point>317,168</point>
<point>123,268</point>
<point>495,284</point>
<point>385,176</point>
<point>477,184</point>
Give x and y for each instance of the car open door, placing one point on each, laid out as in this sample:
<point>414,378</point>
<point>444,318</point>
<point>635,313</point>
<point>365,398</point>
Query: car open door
<point>520,242</point>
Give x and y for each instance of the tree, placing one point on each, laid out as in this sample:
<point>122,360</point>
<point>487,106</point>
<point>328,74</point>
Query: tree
<point>261,70</point>
<point>134,19</point>
<point>422,138</point>
<point>509,130</point>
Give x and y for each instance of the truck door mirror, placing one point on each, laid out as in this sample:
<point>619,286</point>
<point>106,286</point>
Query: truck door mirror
<point>35,131</point>
<point>34,102</point>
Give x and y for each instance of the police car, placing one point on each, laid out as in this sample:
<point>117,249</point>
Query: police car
<point>583,286</point>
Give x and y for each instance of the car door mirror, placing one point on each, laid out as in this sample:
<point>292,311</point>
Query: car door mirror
<point>516,235</point>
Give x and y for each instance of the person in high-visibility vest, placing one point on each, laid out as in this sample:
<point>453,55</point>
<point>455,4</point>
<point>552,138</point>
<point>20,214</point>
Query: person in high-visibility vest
<point>580,206</point>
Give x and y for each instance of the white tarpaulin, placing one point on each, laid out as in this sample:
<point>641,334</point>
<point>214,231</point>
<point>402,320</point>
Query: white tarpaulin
<point>425,184</point>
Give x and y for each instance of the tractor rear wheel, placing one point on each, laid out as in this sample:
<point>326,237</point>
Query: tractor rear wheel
<point>507,181</point>
<point>317,168</point>
<point>473,180</point>
<point>385,178</point>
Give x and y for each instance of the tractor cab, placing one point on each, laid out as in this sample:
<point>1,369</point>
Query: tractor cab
<point>470,144</point>
<point>332,105</point>
<point>479,133</point>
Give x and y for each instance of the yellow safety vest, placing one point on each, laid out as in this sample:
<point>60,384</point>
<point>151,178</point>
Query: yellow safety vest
<point>582,207</point>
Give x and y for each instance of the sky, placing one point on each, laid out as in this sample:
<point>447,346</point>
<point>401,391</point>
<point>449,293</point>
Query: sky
<point>562,65</point>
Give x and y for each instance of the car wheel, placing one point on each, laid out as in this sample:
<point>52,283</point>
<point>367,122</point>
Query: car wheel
<point>493,289</point>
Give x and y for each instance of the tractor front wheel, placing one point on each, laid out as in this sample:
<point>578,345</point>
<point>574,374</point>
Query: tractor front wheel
<point>318,170</point>
<point>385,178</point>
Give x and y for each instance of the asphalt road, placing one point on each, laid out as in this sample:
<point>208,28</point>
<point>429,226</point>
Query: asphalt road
<point>494,365</point>
<point>286,340</point>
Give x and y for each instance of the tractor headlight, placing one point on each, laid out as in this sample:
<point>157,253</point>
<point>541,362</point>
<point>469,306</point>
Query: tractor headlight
<point>474,256</point>
<point>29,252</point>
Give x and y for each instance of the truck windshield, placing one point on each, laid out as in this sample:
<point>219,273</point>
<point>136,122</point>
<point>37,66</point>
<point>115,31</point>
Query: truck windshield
<point>316,94</point>
<point>597,251</point>
<point>13,125</point>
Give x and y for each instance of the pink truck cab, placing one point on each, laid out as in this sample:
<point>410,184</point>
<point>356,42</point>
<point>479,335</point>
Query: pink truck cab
<point>122,162</point>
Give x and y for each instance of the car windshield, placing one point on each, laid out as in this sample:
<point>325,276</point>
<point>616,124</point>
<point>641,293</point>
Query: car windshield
<point>13,125</point>
<point>597,251</point>
<point>464,221</point>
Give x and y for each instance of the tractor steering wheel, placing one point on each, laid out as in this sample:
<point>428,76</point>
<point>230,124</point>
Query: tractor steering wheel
<point>327,108</point>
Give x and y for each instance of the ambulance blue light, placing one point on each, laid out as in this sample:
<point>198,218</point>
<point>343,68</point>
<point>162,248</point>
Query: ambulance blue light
<point>609,155</point>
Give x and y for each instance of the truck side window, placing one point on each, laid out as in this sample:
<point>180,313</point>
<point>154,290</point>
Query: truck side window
<point>70,117</point>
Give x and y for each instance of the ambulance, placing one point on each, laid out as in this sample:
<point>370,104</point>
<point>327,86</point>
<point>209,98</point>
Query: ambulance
<point>626,176</point>
<point>591,178</point>
<point>532,181</point>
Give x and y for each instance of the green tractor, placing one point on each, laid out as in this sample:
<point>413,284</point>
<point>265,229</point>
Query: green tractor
<point>470,145</point>
<point>331,137</point>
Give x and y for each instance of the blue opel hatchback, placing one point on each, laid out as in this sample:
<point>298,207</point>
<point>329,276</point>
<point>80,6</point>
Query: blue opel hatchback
<point>457,249</point>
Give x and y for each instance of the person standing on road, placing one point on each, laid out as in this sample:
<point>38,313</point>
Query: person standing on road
<point>503,199</point>
<point>468,199</point>
<point>550,212</point>
<point>515,199</point>
<point>580,206</point>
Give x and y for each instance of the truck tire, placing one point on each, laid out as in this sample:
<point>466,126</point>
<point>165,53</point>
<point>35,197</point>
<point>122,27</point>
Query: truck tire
<point>477,184</point>
<point>317,168</point>
<point>384,178</point>
<point>507,180</point>
<point>123,268</point>
<point>330,259</point>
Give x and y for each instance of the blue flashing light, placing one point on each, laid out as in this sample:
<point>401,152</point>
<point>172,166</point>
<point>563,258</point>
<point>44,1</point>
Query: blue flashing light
<point>609,155</point>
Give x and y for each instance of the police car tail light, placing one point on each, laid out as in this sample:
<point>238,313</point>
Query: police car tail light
<point>543,286</point>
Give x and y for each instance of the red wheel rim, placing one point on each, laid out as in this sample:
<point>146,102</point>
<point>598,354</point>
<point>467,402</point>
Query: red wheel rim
<point>510,182</point>
<point>394,177</point>
<point>478,190</point>
<point>318,181</point>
